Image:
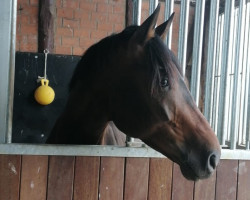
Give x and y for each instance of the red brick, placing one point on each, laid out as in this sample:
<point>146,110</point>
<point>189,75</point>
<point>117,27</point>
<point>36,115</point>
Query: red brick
<point>58,3</point>
<point>29,10</point>
<point>99,16</point>
<point>17,46</point>
<point>80,14</point>
<point>72,23</point>
<point>145,5</point>
<point>20,2</point>
<point>29,47</point>
<point>57,40</point>
<point>104,8</point>
<point>64,31</point>
<point>105,26</point>
<point>69,41</point>
<point>22,38</point>
<point>34,20</point>
<point>119,9</point>
<point>82,32</point>
<point>118,28</point>
<point>34,2</point>
<point>59,22</point>
<point>18,28</point>
<point>65,12</point>
<point>117,18</point>
<point>86,43</point>
<point>88,24</point>
<point>29,29</point>
<point>23,19</point>
<point>32,39</point>
<point>100,1</point>
<point>98,34</point>
<point>117,2</point>
<point>63,50</point>
<point>78,51</point>
<point>88,6</point>
<point>70,4</point>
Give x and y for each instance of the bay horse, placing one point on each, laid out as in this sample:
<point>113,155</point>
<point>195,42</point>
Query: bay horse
<point>132,81</point>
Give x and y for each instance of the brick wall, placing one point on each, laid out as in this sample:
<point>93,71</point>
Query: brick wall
<point>27,25</point>
<point>80,23</point>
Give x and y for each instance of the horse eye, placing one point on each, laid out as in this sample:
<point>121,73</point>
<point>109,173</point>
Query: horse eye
<point>164,82</point>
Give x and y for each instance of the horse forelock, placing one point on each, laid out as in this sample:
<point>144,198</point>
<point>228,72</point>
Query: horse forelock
<point>160,59</point>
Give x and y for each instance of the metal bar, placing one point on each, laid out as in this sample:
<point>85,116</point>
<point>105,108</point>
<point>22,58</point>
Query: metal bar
<point>183,33</point>
<point>7,69</point>
<point>169,9</point>
<point>136,21</point>
<point>247,82</point>
<point>197,50</point>
<point>137,12</point>
<point>226,56</point>
<point>211,58</point>
<point>98,150</point>
<point>217,73</point>
<point>152,5</point>
<point>236,84</point>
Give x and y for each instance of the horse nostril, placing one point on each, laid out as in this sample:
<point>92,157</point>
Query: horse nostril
<point>213,161</point>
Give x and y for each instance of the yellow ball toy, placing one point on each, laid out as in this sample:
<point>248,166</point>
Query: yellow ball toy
<point>44,94</point>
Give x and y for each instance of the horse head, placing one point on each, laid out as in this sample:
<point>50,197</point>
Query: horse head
<point>149,100</point>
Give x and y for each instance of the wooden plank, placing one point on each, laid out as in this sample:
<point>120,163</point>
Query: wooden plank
<point>46,26</point>
<point>136,178</point>
<point>160,179</point>
<point>243,192</point>
<point>205,189</point>
<point>34,177</point>
<point>226,183</point>
<point>111,178</point>
<point>60,179</point>
<point>182,188</point>
<point>9,177</point>
<point>86,178</point>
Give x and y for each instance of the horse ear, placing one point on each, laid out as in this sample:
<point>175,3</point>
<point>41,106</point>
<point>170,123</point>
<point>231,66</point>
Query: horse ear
<point>147,30</point>
<point>163,29</point>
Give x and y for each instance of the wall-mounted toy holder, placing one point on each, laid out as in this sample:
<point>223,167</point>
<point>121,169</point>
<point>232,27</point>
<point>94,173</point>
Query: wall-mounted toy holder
<point>44,94</point>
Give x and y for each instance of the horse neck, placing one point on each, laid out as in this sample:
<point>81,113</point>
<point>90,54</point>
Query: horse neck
<point>83,120</point>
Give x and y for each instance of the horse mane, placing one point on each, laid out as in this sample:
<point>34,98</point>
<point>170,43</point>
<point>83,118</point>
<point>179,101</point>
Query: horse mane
<point>162,58</point>
<point>97,57</point>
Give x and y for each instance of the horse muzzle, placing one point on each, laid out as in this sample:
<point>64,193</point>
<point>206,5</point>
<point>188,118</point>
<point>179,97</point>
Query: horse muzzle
<point>194,168</point>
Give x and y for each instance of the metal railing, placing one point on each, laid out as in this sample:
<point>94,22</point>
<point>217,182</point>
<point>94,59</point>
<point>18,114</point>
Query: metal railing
<point>227,90</point>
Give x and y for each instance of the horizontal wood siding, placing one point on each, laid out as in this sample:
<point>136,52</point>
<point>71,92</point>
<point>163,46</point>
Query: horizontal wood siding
<point>96,178</point>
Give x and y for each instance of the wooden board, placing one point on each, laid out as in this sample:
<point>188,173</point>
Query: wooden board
<point>111,178</point>
<point>226,184</point>
<point>33,122</point>
<point>60,178</point>
<point>136,178</point>
<point>9,177</point>
<point>182,188</point>
<point>34,177</point>
<point>160,179</point>
<point>86,178</point>
<point>243,192</point>
<point>205,189</point>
